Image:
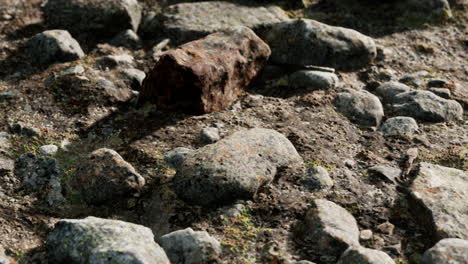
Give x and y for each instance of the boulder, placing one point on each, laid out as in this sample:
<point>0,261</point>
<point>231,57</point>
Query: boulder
<point>53,46</point>
<point>388,90</point>
<point>190,247</point>
<point>185,22</point>
<point>447,251</point>
<point>399,126</point>
<point>308,42</point>
<point>106,177</point>
<point>438,196</point>
<point>100,241</point>
<point>360,107</point>
<point>313,80</point>
<point>208,74</point>
<point>361,255</point>
<point>234,167</point>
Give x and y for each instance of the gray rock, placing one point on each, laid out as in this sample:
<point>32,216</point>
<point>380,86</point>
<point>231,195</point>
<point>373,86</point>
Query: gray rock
<point>388,173</point>
<point>190,247</point>
<point>113,61</point>
<point>415,79</point>
<point>23,129</point>
<point>314,80</point>
<point>176,157</point>
<point>365,234</point>
<point>74,70</point>
<point>438,196</point>
<point>361,255</point>
<point>53,46</point>
<point>9,94</point>
<point>104,18</point>
<point>426,106</point>
<point>184,22</point>
<point>105,176</point>
<point>329,228</point>
<point>398,126</point>
<point>100,241</point>
<point>3,258</point>
<point>431,6</point>
<point>234,167</point>
<point>360,107</point>
<point>388,90</point>
<point>308,42</point>
<point>437,83</point>
<point>127,38</point>
<point>442,92</point>
<point>7,164</point>
<point>317,178</point>
<point>447,251</point>
<point>210,135</point>
<point>134,77</point>
<point>48,150</point>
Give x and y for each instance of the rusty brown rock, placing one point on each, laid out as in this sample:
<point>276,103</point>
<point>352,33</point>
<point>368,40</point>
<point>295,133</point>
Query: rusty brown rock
<point>206,75</point>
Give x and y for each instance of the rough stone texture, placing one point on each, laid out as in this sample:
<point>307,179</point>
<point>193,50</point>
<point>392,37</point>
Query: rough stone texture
<point>234,167</point>
<point>314,80</point>
<point>308,42</point>
<point>447,251</point>
<point>23,129</point>
<point>400,125</point>
<point>3,258</point>
<point>388,90</point>
<point>426,106</point>
<point>105,176</point>
<point>190,247</point>
<point>329,228</point>
<point>190,21</point>
<point>133,77</point>
<point>361,255</point>
<point>7,164</point>
<point>317,178</point>
<point>100,241</point>
<point>442,92</point>
<point>53,46</point>
<point>415,79</point>
<point>429,5</point>
<point>388,173</point>
<point>102,17</point>
<point>127,38</point>
<point>209,135</point>
<point>361,107</point>
<point>48,150</point>
<point>208,74</point>
<point>113,61</point>
<point>176,157</point>
<point>439,195</point>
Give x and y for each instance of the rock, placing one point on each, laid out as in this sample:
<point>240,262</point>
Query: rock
<point>361,255</point>
<point>399,126</point>
<point>360,107</point>
<point>106,177</point>
<point>23,129</point>
<point>317,178</point>
<point>185,22</point>
<point>426,106</point>
<point>190,247</point>
<point>365,234</point>
<point>3,258</point>
<point>329,228</point>
<point>438,198</point>
<point>74,70</point>
<point>303,262</point>
<point>386,228</point>
<point>7,164</point>
<point>127,38</point>
<point>314,80</point>
<point>437,83</point>
<point>308,42</point>
<point>234,167</point>
<point>133,77</point>
<point>53,46</point>
<point>97,240</point>
<point>104,19</point>
<point>442,92</point>
<point>210,135</point>
<point>414,79</point>
<point>206,75</point>
<point>388,90</point>
<point>447,251</point>
<point>48,150</point>
<point>113,61</point>
<point>386,172</point>
<point>176,157</point>
<point>431,6</point>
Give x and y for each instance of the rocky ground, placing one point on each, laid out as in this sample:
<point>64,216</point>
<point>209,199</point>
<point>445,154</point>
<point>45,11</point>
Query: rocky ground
<point>284,141</point>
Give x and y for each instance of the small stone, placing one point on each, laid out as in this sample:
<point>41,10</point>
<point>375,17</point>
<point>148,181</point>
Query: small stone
<point>350,163</point>
<point>365,234</point>
<point>210,135</point>
<point>399,126</point>
<point>388,90</point>
<point>361,255</point>
<point>25,130</point>
<point>386,228</point>
<point>232,211</point>
<point>360,107</point>
<point>113,61</point>
<point>48,150</point>
<point>447,251</point>
<point>317,178</point>
<point>77,69</point>
<point>313,80</point>
<point>176,157</point>
<point>436,83</point>
<point>414,79</point>
<point>128,39</point>
<point>3,258</point>
<point>134,77</point>
<point>8,94</point>
<point>442,92</point>
<point>388,173</point>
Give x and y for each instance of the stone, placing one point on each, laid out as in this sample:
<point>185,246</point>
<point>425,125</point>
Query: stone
<point>361,255</point>
<point>388,173</point>
<point>190,247</point>
<point>209,135</point>
<point>426,106</point>
<point>365,234</point>
<point>317,178</point>
<point>386,228</point>
<point>105,177</point>
<point>206,75</point>
<point>7,164</point>
<point>185,22</point>
<point>442,92</point>
<point>176,157</point>
<point>53,46</point>
<point>97,240</point>
<point>437,83</point>
<point>329,228</point>
<point>97,17</point>
<point>431,6</point>
<point>23,129</point>
<point>415,79</point>
<point>113,61</point>
<point>234,167</point>
<point>133,77</point>
<point>3,258</point>
<point>313,80</point>
<point>447,251</point>
<point>127,38</point>
<point>438,198</point>
<point>48,150</point>
<point>308,42</point>
<point>399,126</point>
<point>361,107</point>
<point>388,90</point>
<point>74,70</point>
